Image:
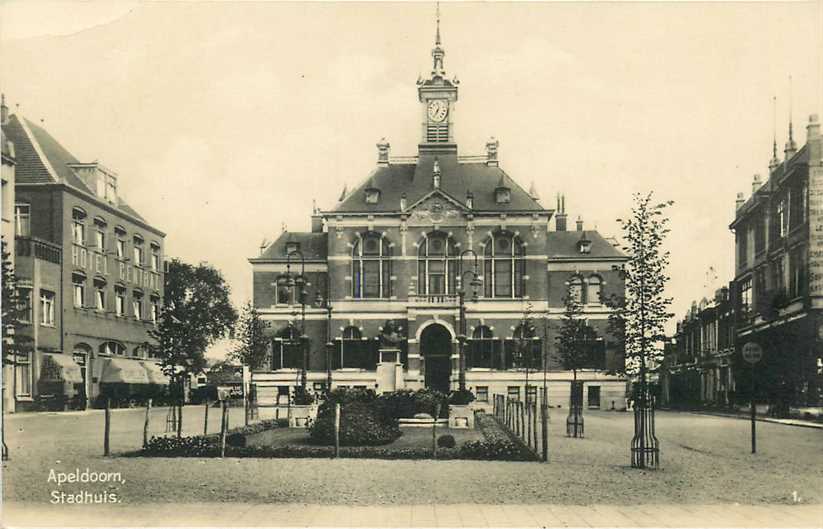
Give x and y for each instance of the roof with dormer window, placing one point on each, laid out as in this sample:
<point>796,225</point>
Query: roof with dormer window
<point>313,246</point>
<point>41,159</point>
<point>565,245</point>
<point>415,180</point>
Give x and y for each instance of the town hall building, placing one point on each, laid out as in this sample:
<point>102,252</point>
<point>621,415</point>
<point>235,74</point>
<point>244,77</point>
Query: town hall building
<point>428,256</point>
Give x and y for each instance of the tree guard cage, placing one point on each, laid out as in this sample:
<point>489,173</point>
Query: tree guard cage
<point>645,447</point>
<point>574,421</point>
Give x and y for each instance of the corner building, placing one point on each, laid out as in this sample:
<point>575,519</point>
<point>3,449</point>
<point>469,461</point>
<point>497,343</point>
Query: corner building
<point>89,273</point>
<point>383,270</point>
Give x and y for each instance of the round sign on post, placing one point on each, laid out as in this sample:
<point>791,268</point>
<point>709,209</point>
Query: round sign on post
<point>752,352</point>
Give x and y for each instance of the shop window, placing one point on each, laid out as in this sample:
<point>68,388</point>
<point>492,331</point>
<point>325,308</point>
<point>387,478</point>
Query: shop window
<point>113,349</point>
<point>47,308</point>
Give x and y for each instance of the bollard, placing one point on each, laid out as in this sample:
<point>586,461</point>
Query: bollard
<point>337,430</point>
<point>146,424</point>
<point>434,430</point>
<point>223,426</point>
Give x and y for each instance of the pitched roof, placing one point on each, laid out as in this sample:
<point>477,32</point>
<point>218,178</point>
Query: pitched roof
<point>563,245</point>
<point>415,180</point>
<point>312,245</point>
<point>42,160</point>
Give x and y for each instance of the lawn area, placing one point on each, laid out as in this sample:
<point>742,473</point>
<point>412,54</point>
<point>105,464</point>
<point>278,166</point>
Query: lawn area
<point>411,438</point>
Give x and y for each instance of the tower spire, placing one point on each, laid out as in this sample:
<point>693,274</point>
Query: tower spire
<point>791,146</point>
<point>774,161</point>
<point>438,52</point>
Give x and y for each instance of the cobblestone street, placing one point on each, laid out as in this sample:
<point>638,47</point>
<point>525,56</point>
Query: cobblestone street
<point>705,461</point>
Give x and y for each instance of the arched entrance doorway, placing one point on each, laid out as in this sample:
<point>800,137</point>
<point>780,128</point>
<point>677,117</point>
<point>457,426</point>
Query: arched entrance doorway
<point>436,348</point>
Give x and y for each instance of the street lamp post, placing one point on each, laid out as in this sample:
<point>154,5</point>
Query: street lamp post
<point>300,282</point>
<point>461,294</point>
<point>329,344</point>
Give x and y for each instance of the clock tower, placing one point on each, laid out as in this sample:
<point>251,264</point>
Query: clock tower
<point>438,96</point>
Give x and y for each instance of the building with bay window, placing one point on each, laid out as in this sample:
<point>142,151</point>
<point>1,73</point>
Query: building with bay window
<point>371,296</point>
<point>89,272</point>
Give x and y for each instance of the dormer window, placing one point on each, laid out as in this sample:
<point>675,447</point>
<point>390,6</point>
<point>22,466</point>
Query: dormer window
<point>584,245</point>
<point>503,195</point>
<point>372,195</point>
<point>292,246</point>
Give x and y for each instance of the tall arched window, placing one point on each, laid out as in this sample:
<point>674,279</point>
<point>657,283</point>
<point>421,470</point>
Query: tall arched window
<point>576,293</point>
<point>437,264</point>
<point>371,267</point>
<point>593,289</point>
<point>483,348</point>
<point>504,266</point>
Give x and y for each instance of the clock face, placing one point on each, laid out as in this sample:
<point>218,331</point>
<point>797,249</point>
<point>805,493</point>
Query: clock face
<point>438,110</point>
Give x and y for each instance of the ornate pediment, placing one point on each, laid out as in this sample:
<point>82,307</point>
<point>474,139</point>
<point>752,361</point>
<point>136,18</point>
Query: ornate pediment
<point>437,208</point>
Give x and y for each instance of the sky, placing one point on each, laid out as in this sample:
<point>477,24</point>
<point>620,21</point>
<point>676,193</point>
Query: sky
<point>226,120</point>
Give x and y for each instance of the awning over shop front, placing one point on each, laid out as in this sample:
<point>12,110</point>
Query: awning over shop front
<point>121,370</point>
<point>58,367</point>
<point>155,374</point>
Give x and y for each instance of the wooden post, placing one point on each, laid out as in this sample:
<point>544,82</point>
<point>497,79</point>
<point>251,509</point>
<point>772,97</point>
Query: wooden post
<point>146,424</point>
<point>107,427</point>
<point>180,419</point>
<point>523,432</point>
<point>337,430</point>
<point>206,419</point>
<point>544,411</point>
<point>223,425</point>
<point>434,429</point>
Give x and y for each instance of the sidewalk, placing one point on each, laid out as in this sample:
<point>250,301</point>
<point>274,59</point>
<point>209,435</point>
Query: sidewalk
<point>759,418</point>
<point>460,515</point>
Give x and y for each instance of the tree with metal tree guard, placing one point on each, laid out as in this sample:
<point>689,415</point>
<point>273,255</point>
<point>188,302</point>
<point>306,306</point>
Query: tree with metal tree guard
<point>574,350</point>
<point>196,312</point>
<point>642,314</point>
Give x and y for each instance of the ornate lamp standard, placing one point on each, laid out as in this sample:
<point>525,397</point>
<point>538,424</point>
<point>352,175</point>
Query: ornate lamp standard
<point>329,344</point>
<point>300,282</point>
<point>461,294</point>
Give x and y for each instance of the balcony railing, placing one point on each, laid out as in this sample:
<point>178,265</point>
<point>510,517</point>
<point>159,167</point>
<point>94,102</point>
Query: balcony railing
<point>26,247</point>
<point>433,299</point>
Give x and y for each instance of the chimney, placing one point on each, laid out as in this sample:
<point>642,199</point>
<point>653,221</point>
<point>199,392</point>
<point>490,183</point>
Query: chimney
<point>491,152</point>
<point>383,148</point>
<point>560,214</point>
<point>814,141</point>
<point>812,129</point>
<point>579,224</point>
<point>739,202</point>
<point>4,110</point>
<point>316,223</point>
<point>756,183</point>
